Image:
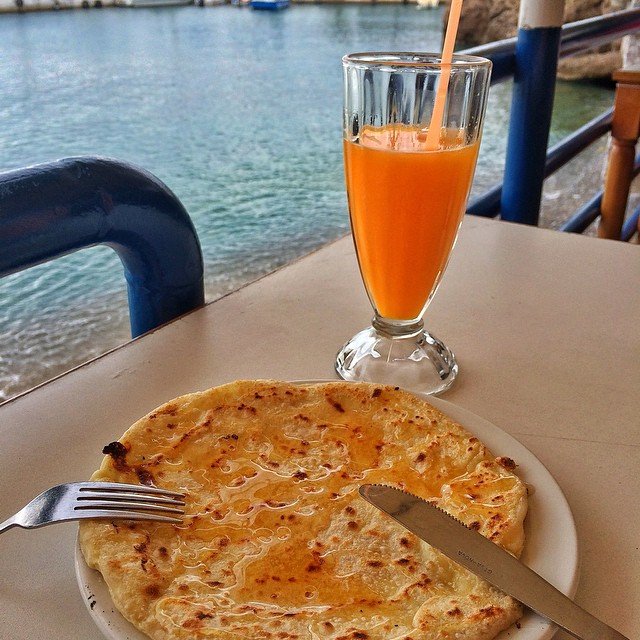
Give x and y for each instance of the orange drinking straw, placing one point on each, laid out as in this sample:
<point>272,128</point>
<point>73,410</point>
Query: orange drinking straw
<point>435,126</point>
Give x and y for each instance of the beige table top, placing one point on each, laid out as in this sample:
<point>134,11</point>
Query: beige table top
<point>545,327</point>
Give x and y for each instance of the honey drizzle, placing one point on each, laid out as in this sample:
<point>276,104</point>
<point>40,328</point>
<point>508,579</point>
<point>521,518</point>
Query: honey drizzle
<point>264,530</point>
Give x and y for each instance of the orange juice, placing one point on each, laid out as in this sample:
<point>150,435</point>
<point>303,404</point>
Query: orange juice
<point>406,204</point>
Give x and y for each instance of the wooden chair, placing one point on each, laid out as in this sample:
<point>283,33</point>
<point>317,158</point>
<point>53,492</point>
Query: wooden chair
<point>625,131</point>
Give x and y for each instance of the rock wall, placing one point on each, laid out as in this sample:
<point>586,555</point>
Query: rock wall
<point>488,20</point>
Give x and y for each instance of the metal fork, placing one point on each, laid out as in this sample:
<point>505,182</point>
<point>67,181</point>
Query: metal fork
<point>78,500</point>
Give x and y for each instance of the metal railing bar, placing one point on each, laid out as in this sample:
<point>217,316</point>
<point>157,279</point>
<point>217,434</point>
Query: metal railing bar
<point>502,55</point>
<point>590,211</point>
<point>574,38</point>
<point>593,32</point>
<point>582,218</point>
<point>488,204</point>
<point>630,225</point>
<point>53,209</point>
<point>576,142</point>
<point>538,48</point>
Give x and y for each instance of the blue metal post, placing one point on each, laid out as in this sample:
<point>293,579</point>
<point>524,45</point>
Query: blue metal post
<point>488,204</point>
<point>53,209</point>
<point>531,107</point>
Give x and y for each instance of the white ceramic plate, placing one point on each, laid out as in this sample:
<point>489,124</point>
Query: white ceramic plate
<point>551,547</point>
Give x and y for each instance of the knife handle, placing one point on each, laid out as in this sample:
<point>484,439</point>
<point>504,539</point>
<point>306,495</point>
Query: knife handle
<point>487,560</point>
<point>587,627</point>
<point>571,617</point>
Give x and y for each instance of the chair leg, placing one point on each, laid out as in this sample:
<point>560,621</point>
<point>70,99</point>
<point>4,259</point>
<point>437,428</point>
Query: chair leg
<point>625,131</point>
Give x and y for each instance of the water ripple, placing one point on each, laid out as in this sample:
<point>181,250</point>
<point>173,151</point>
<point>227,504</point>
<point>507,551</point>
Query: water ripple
<point>228,108</point>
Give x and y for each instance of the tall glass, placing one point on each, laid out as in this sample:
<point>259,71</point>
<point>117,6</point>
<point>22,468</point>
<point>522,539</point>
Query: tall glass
<point>407,194</point>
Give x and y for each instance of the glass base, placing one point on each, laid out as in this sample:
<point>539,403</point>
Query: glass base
<point>408,357</point>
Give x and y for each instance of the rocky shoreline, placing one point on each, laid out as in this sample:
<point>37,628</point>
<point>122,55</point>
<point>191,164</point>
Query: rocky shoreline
<point>484,21</point>
<point>27,6</point>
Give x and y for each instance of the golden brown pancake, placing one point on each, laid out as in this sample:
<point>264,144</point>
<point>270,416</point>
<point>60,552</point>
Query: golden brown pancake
<point>277,543</point>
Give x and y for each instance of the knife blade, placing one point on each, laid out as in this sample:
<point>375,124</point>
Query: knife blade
<point>487,560</point>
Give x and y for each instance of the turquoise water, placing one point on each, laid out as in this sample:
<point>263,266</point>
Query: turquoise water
<point>237,111</point>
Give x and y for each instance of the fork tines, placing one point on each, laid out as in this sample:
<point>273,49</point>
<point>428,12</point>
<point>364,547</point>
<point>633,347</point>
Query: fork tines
<point>129,501</point>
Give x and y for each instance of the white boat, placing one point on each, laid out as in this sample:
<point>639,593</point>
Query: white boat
<point>427,4</point>
<point>152,3</point>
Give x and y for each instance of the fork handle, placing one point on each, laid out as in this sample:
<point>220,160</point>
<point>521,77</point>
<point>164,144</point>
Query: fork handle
<point>7,524</point>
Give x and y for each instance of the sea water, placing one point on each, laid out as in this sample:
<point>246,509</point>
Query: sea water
<point>237,111</point>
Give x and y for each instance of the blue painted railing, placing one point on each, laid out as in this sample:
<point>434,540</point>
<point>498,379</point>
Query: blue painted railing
<point>531,58</point>
<point>53,209</point>
<point>488,205</point>
<point>589,213</point>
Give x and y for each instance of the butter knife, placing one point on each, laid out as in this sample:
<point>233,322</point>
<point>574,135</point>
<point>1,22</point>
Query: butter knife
<point>487,560</point>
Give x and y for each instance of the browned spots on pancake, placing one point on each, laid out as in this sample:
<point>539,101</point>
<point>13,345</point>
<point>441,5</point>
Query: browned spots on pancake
<point>144,476</point>
<point>275,504</point>
<point>118,453</point>
<point>316,565</point>
<point>486,613</point>
<point>336,405</point>
<point>142,547</point>
<point>507,463</point>
<point>244,407</point>
<point>185,436</point>
<point>201,615</point>
<point>152,590</point>
<point>169,410</point>
<point>310,542</point>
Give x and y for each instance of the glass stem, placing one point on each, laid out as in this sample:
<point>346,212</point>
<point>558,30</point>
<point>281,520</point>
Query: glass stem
<point>397,328</point>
